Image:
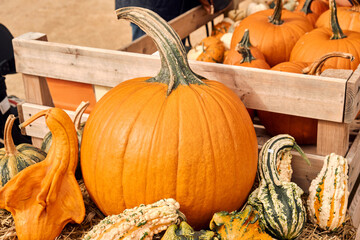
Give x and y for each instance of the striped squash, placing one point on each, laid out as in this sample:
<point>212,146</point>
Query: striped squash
<point>140,222</point>
<point>278,200</point>
<point>13,158</point>
<point>328,193</point>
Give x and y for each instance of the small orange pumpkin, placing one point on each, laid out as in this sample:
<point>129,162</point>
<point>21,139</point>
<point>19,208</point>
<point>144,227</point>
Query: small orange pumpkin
<point>316,6</point>
<point>210,49</point>
<point>246,55</point>
<point>349,17</point>
<point>274,32</point>
<point>307,12</point>
<point>324,40</point>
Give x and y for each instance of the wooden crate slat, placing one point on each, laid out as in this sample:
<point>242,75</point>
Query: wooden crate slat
<point>183,25</point>
<point>38,128</point>
<point>354,208</point>
<point>353,157</point>
<point>281,92</point>
<point>352,102</point>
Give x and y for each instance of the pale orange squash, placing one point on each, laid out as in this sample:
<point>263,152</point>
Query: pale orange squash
<point>44,197</point>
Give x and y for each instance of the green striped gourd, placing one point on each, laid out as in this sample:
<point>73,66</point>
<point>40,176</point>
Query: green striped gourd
<point>278,200</point>
<point>185,231</point>
<point>328,193</point>
<point>141,222</point>
<point>13,158</point>
<point>79,127</point>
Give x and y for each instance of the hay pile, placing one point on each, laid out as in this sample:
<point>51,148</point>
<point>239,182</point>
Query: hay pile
<point>93,216</point>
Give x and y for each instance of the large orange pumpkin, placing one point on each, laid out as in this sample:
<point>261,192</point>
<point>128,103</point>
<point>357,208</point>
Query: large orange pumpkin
<point>175,135</point>
<point>349,17</point>
<point>304,130</point>
<point>323,40</point>
<point>274,32</point>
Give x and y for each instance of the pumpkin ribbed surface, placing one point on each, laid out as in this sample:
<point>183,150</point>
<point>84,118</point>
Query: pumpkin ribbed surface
<point>328,193</point>
<point>13,158</point>
<point>150,138</point>
<point>278,200</point>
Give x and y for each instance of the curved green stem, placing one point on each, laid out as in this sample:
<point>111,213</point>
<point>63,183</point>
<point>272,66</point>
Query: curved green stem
<point>276,17</point>
<point>245,40</point>
<point>9,145</point>
<point>335,26</point>
<point>243,47</point>
<point>175,68</point>
<point>306,8</point>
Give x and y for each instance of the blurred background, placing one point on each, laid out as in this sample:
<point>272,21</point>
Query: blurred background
<point>90,23</point>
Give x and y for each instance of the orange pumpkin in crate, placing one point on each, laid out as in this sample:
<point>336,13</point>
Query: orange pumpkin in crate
<point>174,135</point>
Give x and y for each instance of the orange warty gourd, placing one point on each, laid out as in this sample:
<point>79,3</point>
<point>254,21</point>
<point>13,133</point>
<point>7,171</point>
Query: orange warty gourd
<point>323,40</point>
<point>304,130</point>
<point>44,197</point>
<point>349,17</point>
<point>175,135</point>
<point>220,29</point>
<point>274,32</point>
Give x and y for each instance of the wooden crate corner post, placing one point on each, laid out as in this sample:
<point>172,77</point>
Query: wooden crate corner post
<point>36,88</point>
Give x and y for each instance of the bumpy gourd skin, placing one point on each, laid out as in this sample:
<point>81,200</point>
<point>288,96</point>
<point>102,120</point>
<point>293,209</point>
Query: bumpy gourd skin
<point>278,200</point>
<point>141,222</point>
<point>243,225</point>
<point>185,231</point>
<point>328,193</point>
<point>44,197</point>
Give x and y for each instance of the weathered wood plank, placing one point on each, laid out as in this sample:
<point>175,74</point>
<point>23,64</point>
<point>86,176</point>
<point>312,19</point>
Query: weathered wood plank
<point>352,102</point>
<point>274,91</point>
<point>332,137</point>
<point>354,208</point>
<point>183,25</point>
<point>353,157</point>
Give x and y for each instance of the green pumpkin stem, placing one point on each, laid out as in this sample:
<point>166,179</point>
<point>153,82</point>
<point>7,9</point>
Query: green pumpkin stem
<point>243,47</point>
<point>9,145</point>
<point>335,26</point>
<point>302,154</point>
<point>276,17</point>
<point>175,68</point>
<point>315,67</point>
<point>306,8</point>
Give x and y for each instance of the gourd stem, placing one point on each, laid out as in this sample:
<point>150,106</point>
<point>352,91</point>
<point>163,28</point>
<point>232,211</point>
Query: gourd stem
<point>276,17</point>
<point>246,55</point>
<point>175,68</point>
<point>78,114</point>
<point>315,67</point>
<point>9,145</point>
<point>302,154</point>
<point>335,26</point>
<point>307,7</point>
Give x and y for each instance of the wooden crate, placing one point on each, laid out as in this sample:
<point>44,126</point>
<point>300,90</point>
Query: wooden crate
<point>332,98</point>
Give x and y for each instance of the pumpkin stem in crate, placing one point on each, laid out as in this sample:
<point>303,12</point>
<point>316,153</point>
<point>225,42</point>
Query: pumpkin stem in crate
<point>276,17</point>
<point>334,22</point>
<point>315,67</point>
<point>9,145</point>
<point>306,8</point>
<point>243,47</point>
<point>175,68</point>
